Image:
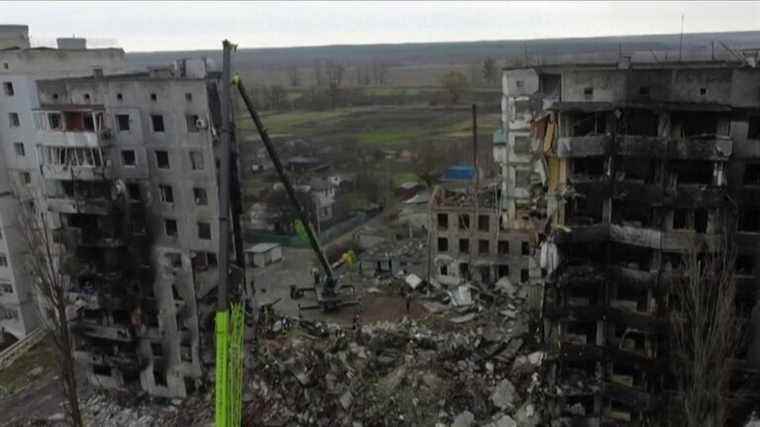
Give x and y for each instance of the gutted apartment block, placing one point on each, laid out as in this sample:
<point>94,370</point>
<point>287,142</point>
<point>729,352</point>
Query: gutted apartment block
<point>129,178</point>
<point>630,166</point>
<point>21,67</point>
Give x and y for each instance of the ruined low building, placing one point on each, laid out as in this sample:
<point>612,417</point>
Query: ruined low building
<point>129,186</point>
<point>636,164</point>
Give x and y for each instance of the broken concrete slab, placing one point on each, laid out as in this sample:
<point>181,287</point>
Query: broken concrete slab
<point>465,419</point>
<point>504,395</point>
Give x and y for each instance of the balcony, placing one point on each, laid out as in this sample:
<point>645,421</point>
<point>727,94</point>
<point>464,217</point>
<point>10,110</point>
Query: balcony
<point>72,237</point>
<point>82,173</point>
<point>583,146</point>
<point>71,205</point>
<point>706,147</point>
<point>74,128</point>
<point>642,146</point>
<point>112,332</point>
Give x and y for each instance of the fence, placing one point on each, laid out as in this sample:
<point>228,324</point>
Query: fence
<point>10,354</point>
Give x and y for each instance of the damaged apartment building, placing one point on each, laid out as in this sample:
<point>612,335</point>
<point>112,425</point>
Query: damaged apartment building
<point>618,170</point>
<point>128,185</point>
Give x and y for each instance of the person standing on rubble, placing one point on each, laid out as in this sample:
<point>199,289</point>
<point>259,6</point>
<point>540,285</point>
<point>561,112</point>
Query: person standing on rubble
<point>315,273</point>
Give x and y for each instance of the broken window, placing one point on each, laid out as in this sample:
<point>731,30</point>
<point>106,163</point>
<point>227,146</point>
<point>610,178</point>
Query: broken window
<point>8,88</point>
<point>196,160</point>
<point>128,157</point>
<point>167,193</point>
<point>3,260</point>
<point>464,221</point>
<point>157,349</point>
<point>483,247</point>
<point>159,377</point>
<point>633,214</point>
<point>162,159</point>
<point>550,84</point>
<point>170,227</point>
<point>19,148</point>
<point>644,91</point>
<point>685,124</point>
<point>444,270</point>
<point>680,219</point>
<point>640,122</point>
<point>464,246</point>
<point>692,171</point>
<point>153,97</point>
<point>122,121</point>
<point>636,169</point>
<point>754,128</point>
<point>522,177</point>
<point>744,264</point>
<point>525,248</point>
<point>464,270</point>
<point>588,93</point>
<point>188,97</point>
<point>119,97</point>
<point>503,247</point>
<point>199,194</point>
<point>583,124</point>
<point>443,221</point>
<point>700,220</point>
<point>6,288</point>
<point>204,230</point>
<point>54,121</point>
<point>590,166</point>
<point>175,259</point>
<point>522,144</point>
<point>502,271</point>
<point>13,120</point>
<point>192,122</point>
<point>158,122</point>
<point>483,222</point>
<point>133,191</point>
<point>101,370</point>
<point>751,174</point>
<point>524,275</point>
<point>443,244</point>
<point>26,178</point>
<point>485,274</point>
<point>749,219</point>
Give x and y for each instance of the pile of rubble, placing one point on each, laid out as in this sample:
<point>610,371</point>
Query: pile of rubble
<point>432,372</point>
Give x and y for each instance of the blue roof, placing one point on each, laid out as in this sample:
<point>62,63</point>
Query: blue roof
<point>459,173</point>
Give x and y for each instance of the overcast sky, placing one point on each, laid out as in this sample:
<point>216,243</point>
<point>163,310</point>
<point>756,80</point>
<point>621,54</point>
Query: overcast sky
<point>140,26</point>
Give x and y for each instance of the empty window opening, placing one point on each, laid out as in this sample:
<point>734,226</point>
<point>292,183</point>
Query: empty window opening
<point>700,220</point>
<point>522,177</point>
<point>196,160</point>
<point>55,96</point>
<point>128,158</point>
<point>122,121</point>
<point>525,248</point>
<point>524,275</point>
<point>166,192</point>
<point>186,353</point>
<point>157,349</point>
<point>631,214</point>
<point>188,97</point>
<point>443,221</point>
<point>485,274</point>
<point>754,127</point>
<point>5,65</point>
<point>589,166</point>
<point>444,270</point>
<point>681,219</point>
<point>170,227</point>
<point>101,370</point>
<point>483,247</point>
<point>464,222</point>
<point>692,171</point>
<point>583,124</point>
<point>464,270</point>
<point>159,377</point>
<point>633,169</point>
<point>192,122</point>
<point>153,97</point>
<point>582,210</point>
<point>550,84</point>
<point>199,194</point>
<point>644,91</point>
<point>588,92</point>
<point>204,230</point>
<point>685,124</point>
<point>119,97</point>
<point>464,246</point>
<point>8,88</point>
<point>443,244</point>
<point>162,159</point>
<point>502,271</point>
<point>54,121</point>
<point>158,122</point>
<point>751,174</point>
<point>744,264</point>
<point>133,191</point>
<point>749,219</point>
<point>26,178</point>
<point>19,148</point>
<point>175,259</point>
<point>503,247</point>
<point>522,144</point>
<point>703,91</point>
<point>14,120</point>
<point>483,222</point>
<point>87,97</point>
<point>3,260</point>
<point>640,122</point>
<point>519,83</point>
<point>633,257</point>
<point>177,297</point>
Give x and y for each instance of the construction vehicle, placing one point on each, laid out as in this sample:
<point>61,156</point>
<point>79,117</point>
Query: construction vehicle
<point>327,290</point>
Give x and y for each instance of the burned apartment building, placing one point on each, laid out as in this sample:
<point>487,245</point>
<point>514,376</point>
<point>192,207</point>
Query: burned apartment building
<point>20,67</point>
<point>129,188</point>
<point>630,166</point>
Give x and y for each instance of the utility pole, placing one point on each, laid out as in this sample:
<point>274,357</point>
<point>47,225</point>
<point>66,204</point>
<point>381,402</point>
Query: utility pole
<point>680,44</point>
<point>475,145</point>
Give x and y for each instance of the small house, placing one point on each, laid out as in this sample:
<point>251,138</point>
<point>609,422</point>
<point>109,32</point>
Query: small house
<point>263,254</point>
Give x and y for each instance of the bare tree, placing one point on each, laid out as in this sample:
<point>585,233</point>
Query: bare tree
<point>47,265</point>
<point>455,84</point>
<point>703,321</point>
<point>429,163</point>
<point>318,72</point>
<point>334,73</point>
<point>294,76</point>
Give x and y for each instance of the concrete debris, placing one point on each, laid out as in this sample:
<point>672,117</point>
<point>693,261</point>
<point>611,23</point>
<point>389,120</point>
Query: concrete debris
<point>460,296</point>
<point>504,395</point>
<point>465,419</point>
<point>462,319</point>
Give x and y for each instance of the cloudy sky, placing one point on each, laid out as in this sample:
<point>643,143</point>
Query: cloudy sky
<point>140,26</point>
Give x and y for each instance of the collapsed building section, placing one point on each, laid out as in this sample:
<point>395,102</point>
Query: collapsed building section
<point>640,164</point>
<point>129,186</point>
